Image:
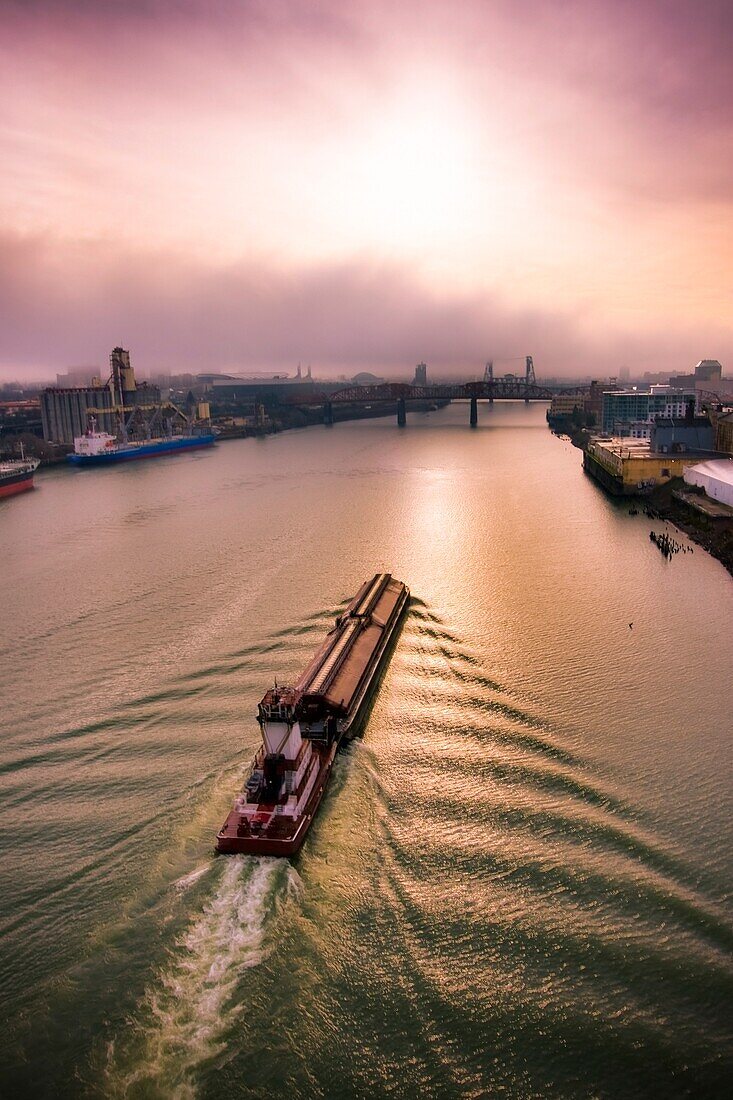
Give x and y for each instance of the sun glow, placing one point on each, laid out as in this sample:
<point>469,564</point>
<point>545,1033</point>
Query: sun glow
<point>406,181</point>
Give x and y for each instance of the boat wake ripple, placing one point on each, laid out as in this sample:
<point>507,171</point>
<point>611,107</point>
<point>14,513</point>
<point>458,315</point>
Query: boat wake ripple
<point>187,1012</point>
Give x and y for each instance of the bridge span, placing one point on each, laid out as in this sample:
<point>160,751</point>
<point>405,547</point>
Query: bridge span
<point>495,389</point>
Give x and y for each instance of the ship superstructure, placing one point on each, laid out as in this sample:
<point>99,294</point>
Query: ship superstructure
<point>303,725</point>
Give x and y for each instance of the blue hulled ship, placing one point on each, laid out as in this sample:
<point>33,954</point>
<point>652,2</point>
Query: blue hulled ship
<point>99,448</point>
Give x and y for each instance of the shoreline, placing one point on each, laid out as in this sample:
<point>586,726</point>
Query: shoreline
<point>295,417</point>
<point>712,535</point>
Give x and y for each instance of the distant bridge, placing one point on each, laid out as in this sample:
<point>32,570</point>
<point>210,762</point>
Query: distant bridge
<point>500,389</point>
<point>509,387</point>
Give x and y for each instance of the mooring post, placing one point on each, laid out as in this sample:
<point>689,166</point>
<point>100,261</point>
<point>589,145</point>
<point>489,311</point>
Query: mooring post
<point>401,412</point>
<point>474,411</point>
<point>328,413</point>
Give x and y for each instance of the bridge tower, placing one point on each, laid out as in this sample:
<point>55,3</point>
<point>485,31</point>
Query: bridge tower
<point>529,379</point>
<point>489,378</point>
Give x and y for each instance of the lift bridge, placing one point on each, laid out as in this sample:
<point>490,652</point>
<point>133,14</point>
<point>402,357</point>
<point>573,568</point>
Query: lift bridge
<point>507,387</point>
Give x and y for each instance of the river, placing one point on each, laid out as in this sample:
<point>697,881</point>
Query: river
<point>519,883</point>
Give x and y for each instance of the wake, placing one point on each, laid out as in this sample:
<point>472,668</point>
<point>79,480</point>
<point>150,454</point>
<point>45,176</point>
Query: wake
<point>187,1012</point>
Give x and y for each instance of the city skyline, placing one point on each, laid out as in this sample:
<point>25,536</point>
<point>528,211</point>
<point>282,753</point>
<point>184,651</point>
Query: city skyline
<point>239,187</point>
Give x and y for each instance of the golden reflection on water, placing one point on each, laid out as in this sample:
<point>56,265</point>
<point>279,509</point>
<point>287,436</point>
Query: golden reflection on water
<point>517,882</point>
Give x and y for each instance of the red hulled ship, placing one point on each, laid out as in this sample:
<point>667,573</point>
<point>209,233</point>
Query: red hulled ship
<point>302,726</point>
<point>16,475</point>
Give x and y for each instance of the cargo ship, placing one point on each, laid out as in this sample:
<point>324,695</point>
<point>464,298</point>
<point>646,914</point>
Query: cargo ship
<point>302,726</point>
<point>16,475</point>
<point>100,449</point>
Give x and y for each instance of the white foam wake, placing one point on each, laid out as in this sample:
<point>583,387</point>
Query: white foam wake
<point>189,1009</point>
<point>191,878</point>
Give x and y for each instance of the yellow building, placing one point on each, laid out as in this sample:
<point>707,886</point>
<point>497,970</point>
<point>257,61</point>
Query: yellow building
<point>628,466</point>
<point>724,433</point>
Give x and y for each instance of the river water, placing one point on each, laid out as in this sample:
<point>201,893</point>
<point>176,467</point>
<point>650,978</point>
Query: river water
<point>519,883</point>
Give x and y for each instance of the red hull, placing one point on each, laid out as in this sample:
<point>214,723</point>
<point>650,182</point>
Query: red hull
<point>16,487</point>
<point>229,841</point>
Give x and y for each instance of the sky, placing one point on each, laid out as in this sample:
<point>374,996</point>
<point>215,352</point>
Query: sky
<point>243,185</point>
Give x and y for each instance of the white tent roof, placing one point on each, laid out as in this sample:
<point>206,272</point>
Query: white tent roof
<point>719,468</point>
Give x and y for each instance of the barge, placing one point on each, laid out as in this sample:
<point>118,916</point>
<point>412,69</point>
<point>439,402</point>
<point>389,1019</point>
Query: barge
<point>302,726</point>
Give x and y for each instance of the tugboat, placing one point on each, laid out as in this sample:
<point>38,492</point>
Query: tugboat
<point>302,726</point>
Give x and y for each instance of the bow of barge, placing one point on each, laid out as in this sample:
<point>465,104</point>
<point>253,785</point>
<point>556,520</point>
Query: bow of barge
<point>303,725</point>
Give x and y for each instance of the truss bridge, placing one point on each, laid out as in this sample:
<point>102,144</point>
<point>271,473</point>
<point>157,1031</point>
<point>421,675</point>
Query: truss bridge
<point>509,387</point>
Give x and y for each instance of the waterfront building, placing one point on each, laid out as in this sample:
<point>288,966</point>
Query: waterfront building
<point>688,433</point>
<point>715,476</point>
<point>622,409</point>
<point>627,467</point>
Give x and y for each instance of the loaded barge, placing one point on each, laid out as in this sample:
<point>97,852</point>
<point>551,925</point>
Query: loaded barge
<point>302,726</point>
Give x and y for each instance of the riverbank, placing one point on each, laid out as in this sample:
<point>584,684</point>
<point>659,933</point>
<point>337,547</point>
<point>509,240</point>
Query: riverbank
<point>283,419</point>
<point>712,534</point>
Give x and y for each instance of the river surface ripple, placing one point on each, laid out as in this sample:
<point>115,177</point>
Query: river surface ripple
<point>519,883</point>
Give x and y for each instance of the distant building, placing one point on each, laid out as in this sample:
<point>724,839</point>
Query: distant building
<point>209,378</point>
<point>706,371</point>
<point>266,391</point>
<point>421,375</point>
<point>627,410</point>
<point>76,376</point>
<point>364,378</point>
<point>594,399</point>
